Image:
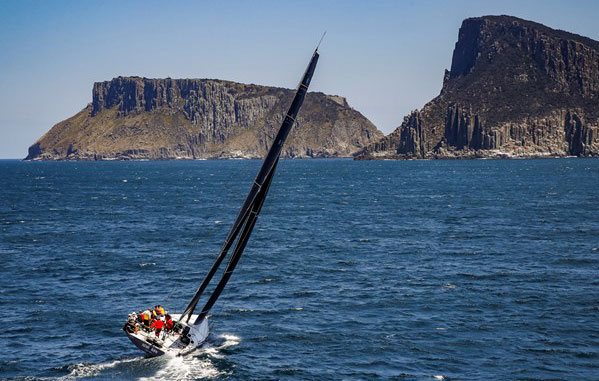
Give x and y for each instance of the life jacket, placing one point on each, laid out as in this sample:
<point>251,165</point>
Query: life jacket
<point>146,315</point>
<point>158,324</point>
<point>169,324</point>
<point>160,310</point>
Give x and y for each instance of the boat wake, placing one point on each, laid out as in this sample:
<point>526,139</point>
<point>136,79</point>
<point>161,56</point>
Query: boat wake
<point>85,370</point>
<point>185,368</point>
<point>200,364</point>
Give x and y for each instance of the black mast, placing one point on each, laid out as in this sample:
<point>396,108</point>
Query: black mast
<point>250,209</point>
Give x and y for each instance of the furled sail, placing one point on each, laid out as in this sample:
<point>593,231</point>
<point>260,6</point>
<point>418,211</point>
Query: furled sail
<point>244,223</point>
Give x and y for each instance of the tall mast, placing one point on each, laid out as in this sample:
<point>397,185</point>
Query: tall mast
<point>246,218</point>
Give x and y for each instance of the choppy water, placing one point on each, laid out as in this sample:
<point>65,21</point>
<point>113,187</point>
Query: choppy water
<point>410,270</point>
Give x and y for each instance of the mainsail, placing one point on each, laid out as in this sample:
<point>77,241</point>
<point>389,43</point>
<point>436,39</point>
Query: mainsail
<point>246,219</point>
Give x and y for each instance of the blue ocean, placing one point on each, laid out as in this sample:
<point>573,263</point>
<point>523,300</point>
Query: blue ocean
<point>411,270</point>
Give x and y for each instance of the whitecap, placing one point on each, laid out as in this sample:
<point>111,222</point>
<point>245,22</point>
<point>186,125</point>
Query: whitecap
<point>244,310</point>
<point>230,340</point>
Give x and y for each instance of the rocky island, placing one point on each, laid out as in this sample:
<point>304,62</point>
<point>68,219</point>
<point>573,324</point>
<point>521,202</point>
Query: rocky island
<point>516,88</point>
<point>141,118</point>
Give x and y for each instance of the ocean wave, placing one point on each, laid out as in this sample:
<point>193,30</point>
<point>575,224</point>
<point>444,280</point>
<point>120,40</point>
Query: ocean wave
<point>266,280</point>
<point>84,369</point>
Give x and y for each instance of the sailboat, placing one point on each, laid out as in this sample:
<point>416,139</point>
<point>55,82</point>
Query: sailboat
<point>191,330</point>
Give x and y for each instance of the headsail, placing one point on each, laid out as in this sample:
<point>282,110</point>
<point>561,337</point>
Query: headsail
<point>244,223</point>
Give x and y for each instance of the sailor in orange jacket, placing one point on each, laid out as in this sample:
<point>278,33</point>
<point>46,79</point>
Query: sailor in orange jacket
<point>158,325</point>
<point>169,323</point>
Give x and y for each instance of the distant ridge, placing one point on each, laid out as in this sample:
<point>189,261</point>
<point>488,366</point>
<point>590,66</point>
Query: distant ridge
<point>516,88</point>
<point>141,118</point>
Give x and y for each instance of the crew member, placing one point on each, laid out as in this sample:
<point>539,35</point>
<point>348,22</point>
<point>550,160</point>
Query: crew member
<point>158,325</point>
<point>146,316</point>
<point>131,325</point>
<point>169,323</point>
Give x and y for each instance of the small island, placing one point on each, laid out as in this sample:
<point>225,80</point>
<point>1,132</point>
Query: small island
<point>140,118</point>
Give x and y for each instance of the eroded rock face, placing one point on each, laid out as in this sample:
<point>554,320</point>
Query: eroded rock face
<point>141,118</point>
<point>516,89</point>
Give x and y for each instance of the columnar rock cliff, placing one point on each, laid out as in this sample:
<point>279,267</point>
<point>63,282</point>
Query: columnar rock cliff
<point>515,89</point>
<point>140,118</point>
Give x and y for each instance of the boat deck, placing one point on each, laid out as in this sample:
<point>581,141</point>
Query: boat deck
<point>166,342</point>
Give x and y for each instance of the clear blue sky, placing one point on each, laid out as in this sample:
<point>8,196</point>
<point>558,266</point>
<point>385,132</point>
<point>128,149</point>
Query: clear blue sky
<point>386,57</point>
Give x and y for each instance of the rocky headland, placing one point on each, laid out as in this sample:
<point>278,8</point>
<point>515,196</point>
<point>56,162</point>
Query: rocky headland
<point>141,118</point>
<point>516,88</point>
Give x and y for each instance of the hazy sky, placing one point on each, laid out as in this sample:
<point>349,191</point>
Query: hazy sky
<point>386,57</point>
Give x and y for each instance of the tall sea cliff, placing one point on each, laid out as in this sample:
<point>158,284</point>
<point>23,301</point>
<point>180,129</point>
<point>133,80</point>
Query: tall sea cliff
<point>516,88</point>
<point>141,118</point>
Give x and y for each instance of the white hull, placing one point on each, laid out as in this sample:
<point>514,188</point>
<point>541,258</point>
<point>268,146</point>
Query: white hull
<point>170,343</point>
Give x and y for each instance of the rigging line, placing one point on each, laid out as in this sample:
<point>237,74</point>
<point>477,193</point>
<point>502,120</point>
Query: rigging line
<point>239,247</point>
<point>173,290</point>
<point>187,310</point>
<point>221,256</point>
<point>245,209</point>
<point>321,38</point>
<point>235,229</point>
<point>229,269</point>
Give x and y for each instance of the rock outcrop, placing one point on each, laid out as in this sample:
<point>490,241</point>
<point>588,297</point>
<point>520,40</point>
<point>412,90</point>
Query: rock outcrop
<point>515,89</point>
<point>140,118</point>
